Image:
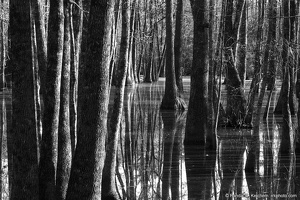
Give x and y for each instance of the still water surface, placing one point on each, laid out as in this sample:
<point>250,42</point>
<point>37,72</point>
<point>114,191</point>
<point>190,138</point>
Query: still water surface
<point>153,162</point>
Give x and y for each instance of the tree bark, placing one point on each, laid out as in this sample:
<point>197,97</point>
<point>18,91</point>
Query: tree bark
<point>64,158</point>
<point>171,99</point>
<point>24,137</point>
<point>178,44</point>
<point>86,173</point>
<point>109,170</point>
<point>197,116</point>
<point>48,164</point>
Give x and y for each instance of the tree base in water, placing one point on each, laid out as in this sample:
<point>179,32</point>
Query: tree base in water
<point>177,104</point>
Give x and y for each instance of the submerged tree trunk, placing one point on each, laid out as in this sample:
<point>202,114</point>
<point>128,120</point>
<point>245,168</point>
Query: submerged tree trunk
<point>109,170</point>
<point>197,116</point>
<point>24,136</point>
<point>171,99</point>
<point>86,173</point>
<point>48,164</point>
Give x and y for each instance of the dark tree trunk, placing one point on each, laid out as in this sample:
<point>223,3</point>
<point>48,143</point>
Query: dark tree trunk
<point>197,116</point>
<point>171,99</point>
<point>109,170</point>
<point>24,137</point>
<point>64,158</point>
<point>48,164</point>
<point>288,36</point>
<point>86,173</point>
<point>178,44</point>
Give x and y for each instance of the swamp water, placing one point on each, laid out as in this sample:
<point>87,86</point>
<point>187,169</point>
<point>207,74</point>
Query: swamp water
<point>153,162</point>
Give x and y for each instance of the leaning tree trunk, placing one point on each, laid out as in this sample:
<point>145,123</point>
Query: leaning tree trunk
<point>197,118</point>
<point>24,136</point>
<point>48,163</point>
<point>171,99</point>
<point>109,170</point>
<point>86,173</point>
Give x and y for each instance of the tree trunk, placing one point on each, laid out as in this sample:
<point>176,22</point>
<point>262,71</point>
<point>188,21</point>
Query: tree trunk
<point>76,39</point>
<point>257,67</point>
<point>197,118</point>
<point>24,136</point>
<point>171,99</point>
<point>86,173</point>
<point>64,158</point>
<point>48,164</point>
<point>109,171</point>
<point>240,52</point>
<point>288,36</point>
<point>178,44</point>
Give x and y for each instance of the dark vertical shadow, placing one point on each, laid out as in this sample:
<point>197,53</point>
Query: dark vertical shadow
<point>200,166</point>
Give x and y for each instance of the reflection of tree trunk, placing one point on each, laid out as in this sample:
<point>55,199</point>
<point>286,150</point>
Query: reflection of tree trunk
<point>230,167</point>
<point>176,171</point>
<point>169,120</point>
<point>200,165</point>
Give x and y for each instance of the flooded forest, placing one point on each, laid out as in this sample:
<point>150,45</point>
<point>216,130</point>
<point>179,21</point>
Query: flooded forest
<point>149,99</point>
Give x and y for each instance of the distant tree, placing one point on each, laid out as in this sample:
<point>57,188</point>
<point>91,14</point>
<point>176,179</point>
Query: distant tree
<point>86,173</point>
<point>24,136</point>
<point>197,116</point>
<point>171,99</point>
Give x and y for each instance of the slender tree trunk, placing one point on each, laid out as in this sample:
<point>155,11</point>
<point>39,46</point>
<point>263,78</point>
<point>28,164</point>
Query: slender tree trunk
<point>76,39</point>
<point>24,137</point>
<point>171,99</point>
<point>257,68</point>
<point>48,164</point>
<point>240,52</point>
<point>178,44</point>
<point>86,173</point>
<point>64,138</point>
<point>109,171</point>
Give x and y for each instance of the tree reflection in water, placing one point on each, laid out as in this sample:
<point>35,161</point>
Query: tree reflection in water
<point>154,164</point>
